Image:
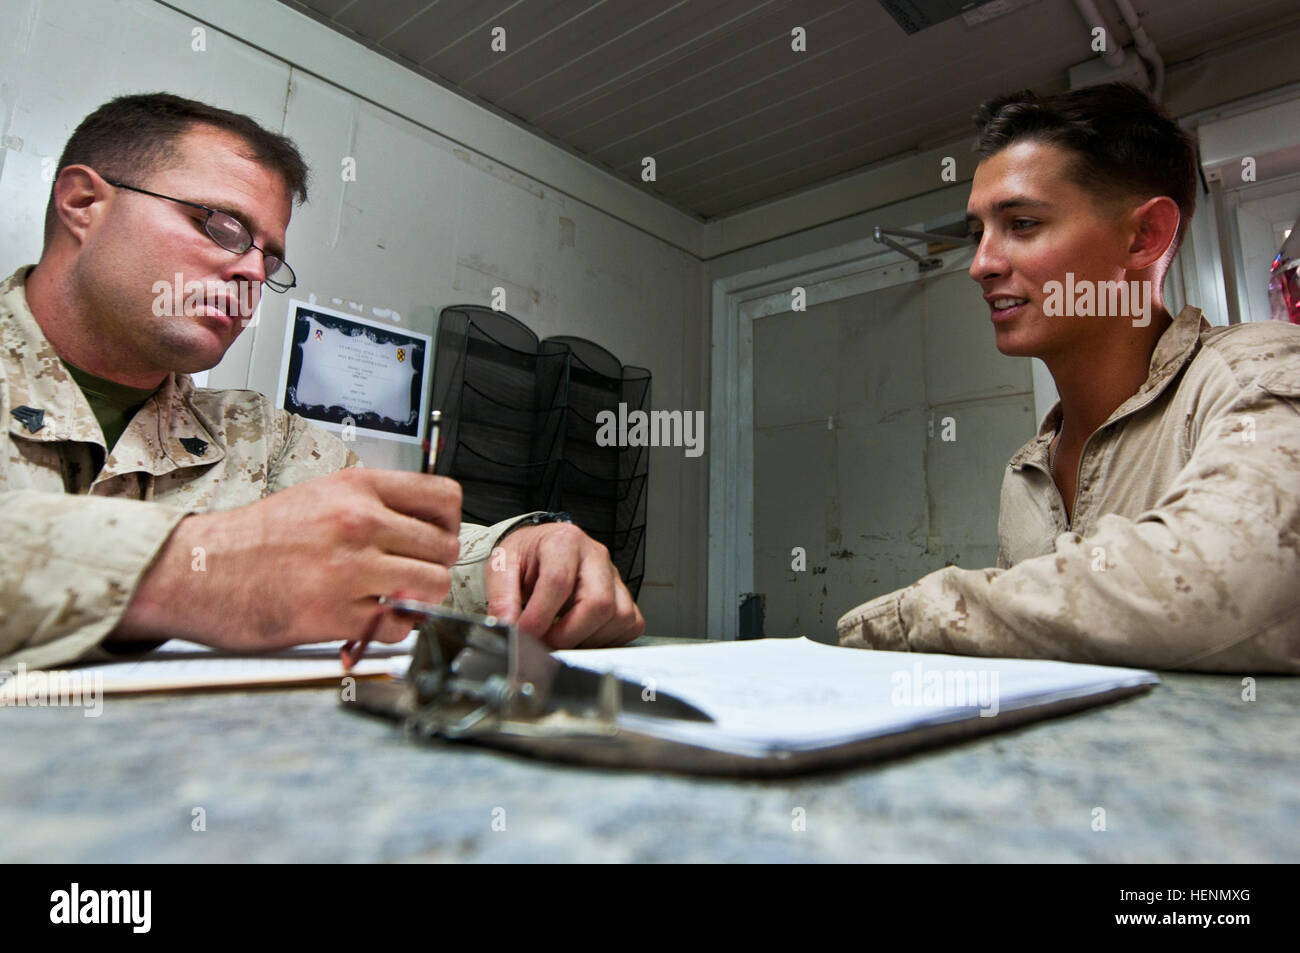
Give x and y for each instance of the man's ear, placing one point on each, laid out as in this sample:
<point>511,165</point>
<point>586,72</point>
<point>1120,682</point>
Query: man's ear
<point>1155,225</point>
<point>79,199</point>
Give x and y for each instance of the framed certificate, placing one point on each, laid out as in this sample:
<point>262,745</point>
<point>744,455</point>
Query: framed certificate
<point>343,372</point>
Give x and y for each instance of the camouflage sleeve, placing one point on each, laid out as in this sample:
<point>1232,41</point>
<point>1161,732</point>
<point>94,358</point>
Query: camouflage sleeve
<point>300,451</point>
<point>62,588</point>
<point>1205,581</point>
<point>469,575</point>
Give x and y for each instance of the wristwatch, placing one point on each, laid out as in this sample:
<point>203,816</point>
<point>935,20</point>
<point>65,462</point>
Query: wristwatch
<point>537,519</point>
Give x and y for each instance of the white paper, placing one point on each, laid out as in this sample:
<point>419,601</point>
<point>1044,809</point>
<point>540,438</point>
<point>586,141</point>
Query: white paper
<point>355,373</point>
<point>181,665</point>
<point>796,694</point>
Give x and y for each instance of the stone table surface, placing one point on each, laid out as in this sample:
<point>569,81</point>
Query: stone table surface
<point>1187,772</point>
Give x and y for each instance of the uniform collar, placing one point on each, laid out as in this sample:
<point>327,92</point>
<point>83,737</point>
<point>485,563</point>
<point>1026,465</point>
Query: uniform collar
<point>1174,350</point>
<point>165,434</point>
<point>45,403</point>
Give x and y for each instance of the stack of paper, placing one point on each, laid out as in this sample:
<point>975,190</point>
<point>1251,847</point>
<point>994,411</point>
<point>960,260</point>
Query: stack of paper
<point>180,665</point>
<point>800,695</point>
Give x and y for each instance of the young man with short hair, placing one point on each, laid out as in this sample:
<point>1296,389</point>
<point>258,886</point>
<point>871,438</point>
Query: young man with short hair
<point>1155,518</point>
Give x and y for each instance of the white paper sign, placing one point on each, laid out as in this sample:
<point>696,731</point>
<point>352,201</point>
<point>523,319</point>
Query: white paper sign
<point>341,370</point>
<point>354,372</point>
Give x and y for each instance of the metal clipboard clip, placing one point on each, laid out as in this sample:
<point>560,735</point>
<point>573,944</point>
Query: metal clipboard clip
<point>475,678</point>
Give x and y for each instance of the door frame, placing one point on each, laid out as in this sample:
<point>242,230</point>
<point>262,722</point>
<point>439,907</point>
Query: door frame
<point>737,301</point>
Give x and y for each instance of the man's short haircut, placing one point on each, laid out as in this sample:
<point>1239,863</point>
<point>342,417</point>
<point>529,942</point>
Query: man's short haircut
<point>132,137</point>
<point>1124,143</point>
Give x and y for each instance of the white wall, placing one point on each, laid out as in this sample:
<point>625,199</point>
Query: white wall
<point>899,437</point>
<point>427,223</point>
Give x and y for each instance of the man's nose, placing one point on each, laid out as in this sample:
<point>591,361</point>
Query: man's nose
<point>989,261</point>
<point>250,266</point>
<point>246,273</point>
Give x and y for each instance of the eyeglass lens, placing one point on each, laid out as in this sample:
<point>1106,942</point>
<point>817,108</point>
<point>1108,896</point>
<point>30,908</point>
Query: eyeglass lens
<point>231,235</point>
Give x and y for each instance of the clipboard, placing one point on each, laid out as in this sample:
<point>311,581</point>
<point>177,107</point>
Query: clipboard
<point>474,679</point>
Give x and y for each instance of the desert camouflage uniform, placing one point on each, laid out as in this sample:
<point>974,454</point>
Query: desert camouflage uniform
<point>1184,547</point>
<point>76,542</point>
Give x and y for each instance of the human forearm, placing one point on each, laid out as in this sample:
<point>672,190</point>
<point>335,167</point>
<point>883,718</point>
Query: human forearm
<point>1151,606</point>
<point>175,596</point>
<point>1205,580</point>
<point>198,587</point>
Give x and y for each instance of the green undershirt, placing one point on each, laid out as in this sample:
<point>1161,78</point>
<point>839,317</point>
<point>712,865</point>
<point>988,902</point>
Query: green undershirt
<point>113,404</point>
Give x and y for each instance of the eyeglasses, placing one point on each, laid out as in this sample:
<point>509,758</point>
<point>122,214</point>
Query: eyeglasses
<point>230,233</point>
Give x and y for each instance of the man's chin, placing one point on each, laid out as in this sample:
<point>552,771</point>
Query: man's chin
<point>199,357</point>
<point>1011,344</point>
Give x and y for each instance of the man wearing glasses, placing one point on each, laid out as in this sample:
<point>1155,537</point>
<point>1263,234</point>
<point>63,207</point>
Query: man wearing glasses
<point>135,507</point>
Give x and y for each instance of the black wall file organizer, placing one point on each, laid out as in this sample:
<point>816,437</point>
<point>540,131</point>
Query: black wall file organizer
<point>520,417</point>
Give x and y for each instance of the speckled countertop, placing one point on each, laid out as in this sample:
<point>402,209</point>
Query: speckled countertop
<point>1187,772</point>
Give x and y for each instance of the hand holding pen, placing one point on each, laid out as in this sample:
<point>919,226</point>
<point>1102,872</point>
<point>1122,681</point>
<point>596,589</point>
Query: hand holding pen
<point>352,651</point>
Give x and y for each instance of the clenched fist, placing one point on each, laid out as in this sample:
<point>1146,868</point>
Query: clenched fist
<point>557,584</point>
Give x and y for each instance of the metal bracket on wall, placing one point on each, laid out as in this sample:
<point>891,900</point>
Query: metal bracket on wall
<point>881,235</point>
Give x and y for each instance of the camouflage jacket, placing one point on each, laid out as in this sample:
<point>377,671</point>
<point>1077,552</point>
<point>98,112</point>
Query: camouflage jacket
<point>76,542</point>
<point>1184,547</point>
